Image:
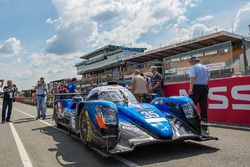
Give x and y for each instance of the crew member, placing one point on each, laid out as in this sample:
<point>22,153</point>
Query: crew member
<point>198,88</point>
<point>139,86</point>
<point>122,83</point>
<point>72,87</point>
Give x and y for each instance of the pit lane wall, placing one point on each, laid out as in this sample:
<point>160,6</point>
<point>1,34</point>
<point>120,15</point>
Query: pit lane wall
<point>228,99</point>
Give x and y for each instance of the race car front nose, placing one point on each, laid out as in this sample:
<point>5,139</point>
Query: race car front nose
<point>162,129</point>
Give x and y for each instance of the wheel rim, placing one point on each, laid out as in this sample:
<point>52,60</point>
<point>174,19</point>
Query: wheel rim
<point>83,127</point>
<point>56,114</point>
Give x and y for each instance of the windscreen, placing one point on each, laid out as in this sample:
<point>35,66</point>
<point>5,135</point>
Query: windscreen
<point>118,96</point>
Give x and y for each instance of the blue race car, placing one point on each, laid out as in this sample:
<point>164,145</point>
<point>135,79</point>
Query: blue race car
<point>110,119</point>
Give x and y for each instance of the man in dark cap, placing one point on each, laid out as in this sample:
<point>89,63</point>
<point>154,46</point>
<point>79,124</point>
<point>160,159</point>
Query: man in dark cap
<point>8,97</point>
<point>198,88</point>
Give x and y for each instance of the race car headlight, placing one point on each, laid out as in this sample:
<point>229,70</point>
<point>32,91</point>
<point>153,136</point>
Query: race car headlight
<point>159,102</point>
<point>106,115</point>
<point>188,110</point>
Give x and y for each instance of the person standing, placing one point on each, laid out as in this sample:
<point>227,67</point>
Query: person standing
<point>72,87</point>
<point>41,91</point>
<point>122,83</point>
<point>63,87</point>
<point>139,86</point>
<point>55,88</point>
<point>198,88</point>
<point>156,82</point>
<point>8,97</point>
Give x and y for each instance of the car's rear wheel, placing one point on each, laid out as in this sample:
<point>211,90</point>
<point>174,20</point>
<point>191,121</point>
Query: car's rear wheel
<point>56,117</point>
<point>84,127</point>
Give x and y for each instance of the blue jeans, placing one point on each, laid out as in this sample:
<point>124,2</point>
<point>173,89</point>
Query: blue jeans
<point>41,106</point>
<point>6,103</point>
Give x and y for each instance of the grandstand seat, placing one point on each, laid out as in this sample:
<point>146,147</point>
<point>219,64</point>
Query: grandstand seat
<point>227,57</point>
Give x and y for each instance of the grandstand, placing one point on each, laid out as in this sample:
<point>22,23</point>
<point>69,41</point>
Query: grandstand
<point>221,52</point>
<point>104,64</point>
<point>224,53</point>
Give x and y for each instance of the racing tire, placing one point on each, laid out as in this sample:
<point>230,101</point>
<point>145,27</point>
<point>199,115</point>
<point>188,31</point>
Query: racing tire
<point>56,112</point>
<point>84,127</point>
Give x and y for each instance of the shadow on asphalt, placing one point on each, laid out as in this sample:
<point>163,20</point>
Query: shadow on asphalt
<point>24,120</point>
<point>166,152</point>
<point>70,152</point>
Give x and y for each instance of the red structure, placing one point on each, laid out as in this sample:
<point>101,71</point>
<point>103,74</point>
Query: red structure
<point>229,99</point>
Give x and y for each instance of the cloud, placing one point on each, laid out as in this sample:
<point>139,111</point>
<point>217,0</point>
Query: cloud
<point>191,3</point>
<point>242,19</point>
<point>185,29</point>
<point>27,69</point>
<point>97,23</point>
<point>11,46</point>
<point>204,18</point>
<point>54,21</point>
<point>53,66</point>
<point>17,61</point>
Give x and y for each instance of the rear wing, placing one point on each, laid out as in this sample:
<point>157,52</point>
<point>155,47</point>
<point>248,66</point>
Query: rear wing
<point>59,96</point>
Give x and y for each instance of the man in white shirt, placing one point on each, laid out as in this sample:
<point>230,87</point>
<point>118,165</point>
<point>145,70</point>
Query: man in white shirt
<point>139,86</point>
<point>198,87</point>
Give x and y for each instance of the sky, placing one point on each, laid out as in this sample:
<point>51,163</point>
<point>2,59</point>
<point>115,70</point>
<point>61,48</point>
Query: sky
<point>45,38</point>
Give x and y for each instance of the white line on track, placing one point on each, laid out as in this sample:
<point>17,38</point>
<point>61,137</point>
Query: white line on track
<point>118,158</point>
<point>22,152</point>
<point>44,122</point>
<point>229,126</point>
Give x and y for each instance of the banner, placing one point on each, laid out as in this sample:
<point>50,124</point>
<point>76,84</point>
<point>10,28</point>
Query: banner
<point>228,99</point>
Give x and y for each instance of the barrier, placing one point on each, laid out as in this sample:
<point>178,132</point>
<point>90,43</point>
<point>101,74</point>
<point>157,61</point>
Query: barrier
<point>228,99</point>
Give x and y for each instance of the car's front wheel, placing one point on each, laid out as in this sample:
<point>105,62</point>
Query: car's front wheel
<point>56,117</point>
<point>84,127</point>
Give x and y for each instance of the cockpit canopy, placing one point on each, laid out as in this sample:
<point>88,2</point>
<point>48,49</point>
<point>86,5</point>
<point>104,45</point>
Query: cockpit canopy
<point>115,94</point>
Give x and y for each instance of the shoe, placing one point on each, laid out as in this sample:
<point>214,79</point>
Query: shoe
<point>204,131</point>
<point>3,122</point>
<point>203,123</point>
<point>44,117</point>
<point>8,121</point>
<point>37,118</point>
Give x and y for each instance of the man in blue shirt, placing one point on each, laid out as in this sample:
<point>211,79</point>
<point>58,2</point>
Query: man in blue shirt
<point>122,83</point>
<point>41,91</point>
<point>72,87</point>
<point>198,88</point>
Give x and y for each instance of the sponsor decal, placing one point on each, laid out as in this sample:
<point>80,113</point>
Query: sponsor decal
<point>164,129</point>
<point>129,128</point>
<point>151,120</point>
<point>221,97</point>
<point>147,114</point>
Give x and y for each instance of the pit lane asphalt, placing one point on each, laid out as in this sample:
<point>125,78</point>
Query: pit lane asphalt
<point>48,146</point>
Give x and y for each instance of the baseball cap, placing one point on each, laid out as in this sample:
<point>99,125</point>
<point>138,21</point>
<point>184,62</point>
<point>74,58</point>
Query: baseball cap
<point>194,58</point>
